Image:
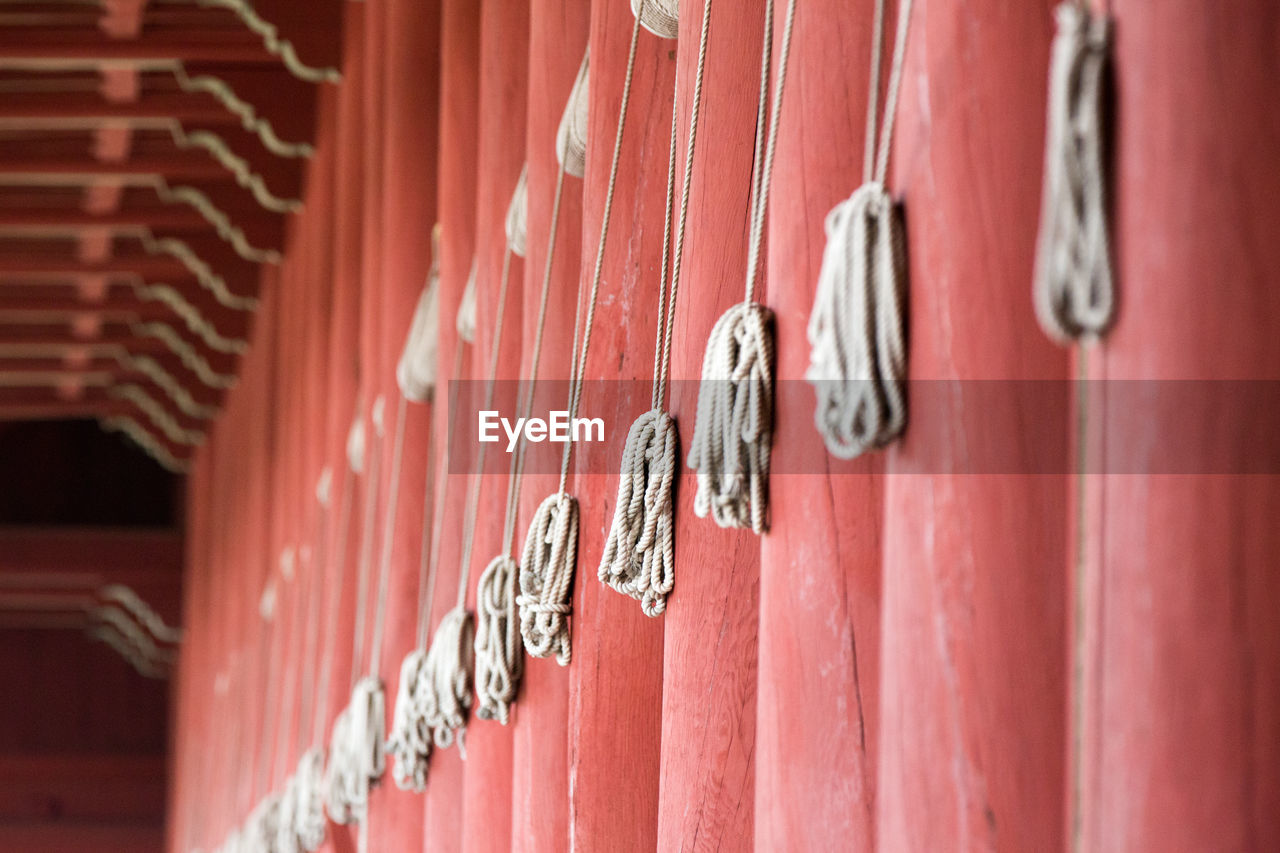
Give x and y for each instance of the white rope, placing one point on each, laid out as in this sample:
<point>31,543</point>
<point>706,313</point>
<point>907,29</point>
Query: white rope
<point>551,545</point>
<point>734,428</point>
<point>499,653</point>
<point>639,554</point>
<point>660,17</point>
<point>416,370</point>
<point>571,136</point>
<point>466,321</point>
<point>309,819</point>
<point>286,835</point>
<point>517,223</point>
<point>857,334</point>
<point>450,661</point>
<point>1073,286</point>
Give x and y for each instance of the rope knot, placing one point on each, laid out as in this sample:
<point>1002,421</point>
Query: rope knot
<point>857,365</point>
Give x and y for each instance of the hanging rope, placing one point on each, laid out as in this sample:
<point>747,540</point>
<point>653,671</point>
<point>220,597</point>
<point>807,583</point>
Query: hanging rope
<point>498,652</point>
<point>411,740</point>
<point>639,554</point>
<point>416,370</point>
<point>517,226</point>
<point>1073,280</point>
<point>660,17</point>
<point>858,361</point>
<point>571,136</point>
<point>551,545</point>
<point>451,659</point>
<point>734,427</point>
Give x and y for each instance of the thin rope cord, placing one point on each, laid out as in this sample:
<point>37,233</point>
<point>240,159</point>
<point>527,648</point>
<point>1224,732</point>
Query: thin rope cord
<point>517,460</point>
<point>368,523</point>
<point>388,536</point>
<point>639,554</point>
<point>582,330</point>
<point>473,494</point>
<point>666,324</point>
<point>856,330</point>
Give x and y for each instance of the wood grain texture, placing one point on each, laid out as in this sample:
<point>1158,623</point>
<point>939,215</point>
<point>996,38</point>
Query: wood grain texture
<point>1178,645</point>
<point>707,795</point>
<point>820,564</point>
<point>616,677</point>
<point>972,725</point>
<point>504,69</point>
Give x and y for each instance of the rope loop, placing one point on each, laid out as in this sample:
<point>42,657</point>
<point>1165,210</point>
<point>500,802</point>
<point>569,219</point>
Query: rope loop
<point>443,693</point>
<point>639,555</point>
<point>499,655</point>
<point>857,365</point>
<point>730,451</point>
<point>1073,288</point>
<point>308,816</point>
<point>546,573</point>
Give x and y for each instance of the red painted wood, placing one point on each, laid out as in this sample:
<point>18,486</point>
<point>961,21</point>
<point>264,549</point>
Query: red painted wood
<point>973,652</point>
<point>540,773</point>
<point>411,57</point>
<point>709,654</point>
<point>616,677</point>
<point>820,564</point>
<point>456,184</point>
<point>1176,703</point>
<point>504,68</point>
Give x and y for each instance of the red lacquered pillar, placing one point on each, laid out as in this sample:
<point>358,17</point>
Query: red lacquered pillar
<point>709,654</point>
<point>973,654</point>
<point>820,564</point>
<point>1178,647</point>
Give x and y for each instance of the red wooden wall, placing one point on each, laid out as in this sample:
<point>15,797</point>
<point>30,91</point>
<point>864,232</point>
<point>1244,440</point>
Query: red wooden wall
<point>918,655</point>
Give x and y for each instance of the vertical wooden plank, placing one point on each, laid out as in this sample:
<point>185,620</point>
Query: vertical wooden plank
<point>504,68</point>
<point>709,653</point>
<point>540,773</point>
<point>973,650</point>
<point>1179,648</point>
<point>615,681</point>
<point>456,188</point>
<point>820,564</point>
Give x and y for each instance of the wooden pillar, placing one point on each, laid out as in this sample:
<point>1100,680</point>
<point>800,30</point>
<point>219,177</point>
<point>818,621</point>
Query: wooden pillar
<point>820,564</point>
<point>1178,648</point>
<point>540,774</point>
<point>709,653</point>
<point>615,715</point>
<point>411,57</point>
<point>504,68</point>
<point>973,653</point>
<point>456,188</point>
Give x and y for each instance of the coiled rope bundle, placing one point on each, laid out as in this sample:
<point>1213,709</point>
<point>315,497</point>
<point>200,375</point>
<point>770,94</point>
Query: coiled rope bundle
<point>571,135</point>
<point>517,222</point>
<point>286,837</point>
<point>551,544</point>
<point>1073,288</point>
<point>466,321</point>
<point>499,660</point>
<point>730,448</point>
<point>858,360</point>
<point>639,554</point>
<point>444,692</point>
<point>410,742</point>
<point>308,810</point>
<point>416,370</point>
